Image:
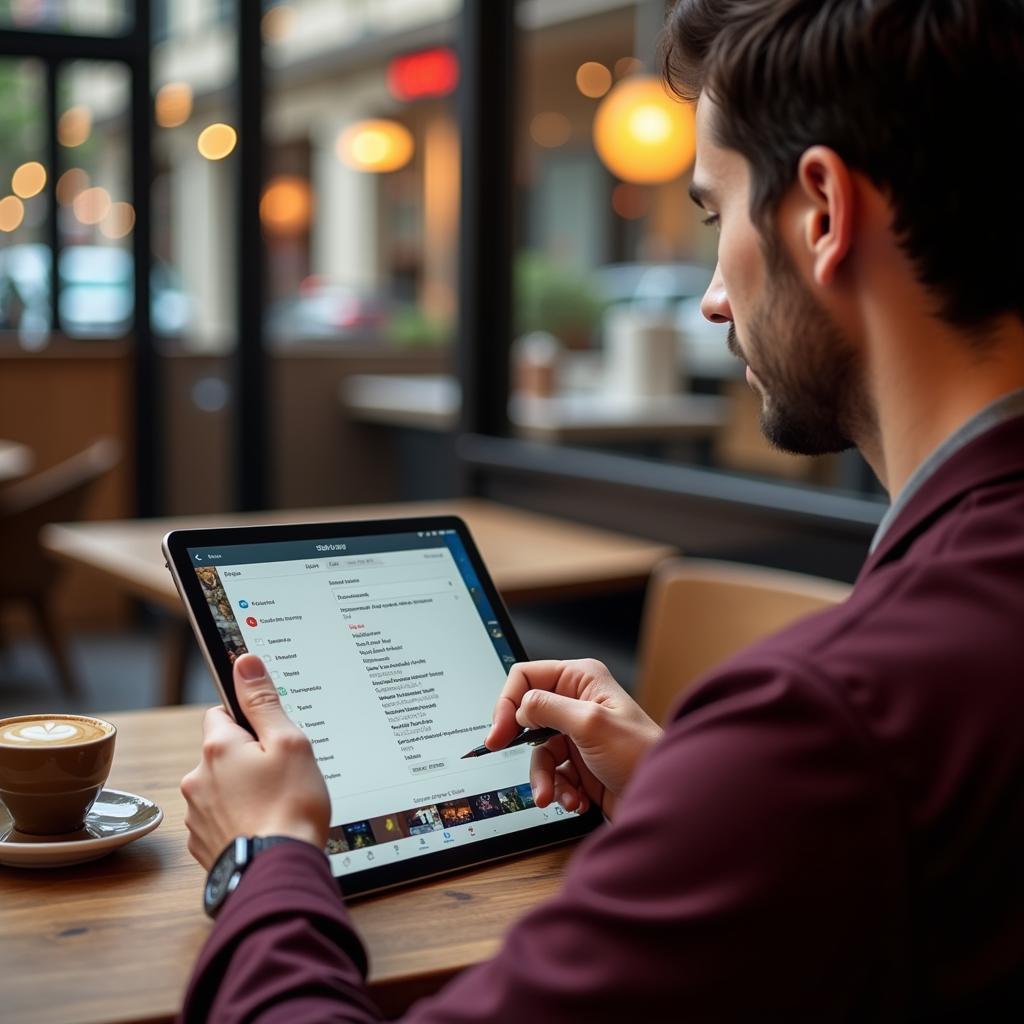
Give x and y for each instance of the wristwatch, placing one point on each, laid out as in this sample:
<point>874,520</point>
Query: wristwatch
<point>229,867</point>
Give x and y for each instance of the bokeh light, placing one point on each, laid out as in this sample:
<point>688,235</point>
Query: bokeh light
<point>550,129</point>
<point>70,184</point>
<point>377,146</point>
<point>643,134</point>
<point>28,180</point>
<point>278,23</point>
<point>173,104</point>
<point>74,126</point>
<point>593,79</point>
<point>630,202</point>
<point>12,213</point>
<point>119,220</point>
<point>92,205</point>
<point>217,141</point>
<point>286,206</point>
<point>628,66</point>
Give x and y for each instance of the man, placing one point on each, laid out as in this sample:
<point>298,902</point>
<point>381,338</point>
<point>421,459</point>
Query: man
<point>831,826</point>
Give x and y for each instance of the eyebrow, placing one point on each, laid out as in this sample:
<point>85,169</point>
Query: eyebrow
<point>700,194</point>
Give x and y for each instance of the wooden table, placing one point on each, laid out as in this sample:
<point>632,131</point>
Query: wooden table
<point>115,940</point>
<point>15,460</point>
<point>530,556</point>
<point>432,402</point>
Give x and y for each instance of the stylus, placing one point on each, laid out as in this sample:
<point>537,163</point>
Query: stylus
<point>531,736</point>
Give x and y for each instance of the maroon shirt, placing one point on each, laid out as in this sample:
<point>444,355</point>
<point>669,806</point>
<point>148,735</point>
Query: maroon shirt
<point>832,827</point>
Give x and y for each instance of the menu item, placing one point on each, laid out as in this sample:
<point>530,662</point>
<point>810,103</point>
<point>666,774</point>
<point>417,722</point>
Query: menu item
<point>389,647</point>
<point>52,769</point>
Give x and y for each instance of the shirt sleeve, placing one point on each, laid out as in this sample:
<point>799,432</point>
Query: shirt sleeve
<point>754,871</point>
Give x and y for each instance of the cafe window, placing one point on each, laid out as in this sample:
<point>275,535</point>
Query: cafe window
<point>24,204</point>
<point>95,205</point>
<point>610,350</point>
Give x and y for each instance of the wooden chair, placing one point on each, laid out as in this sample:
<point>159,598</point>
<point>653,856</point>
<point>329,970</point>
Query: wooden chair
<point>697,613</point>
<point>27,574</point>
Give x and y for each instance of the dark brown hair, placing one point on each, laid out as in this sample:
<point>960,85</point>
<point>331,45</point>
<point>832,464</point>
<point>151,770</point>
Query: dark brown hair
<point>925,97</point>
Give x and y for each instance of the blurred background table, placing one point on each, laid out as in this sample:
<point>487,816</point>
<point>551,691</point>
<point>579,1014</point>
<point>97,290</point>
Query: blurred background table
<point>432,402</point>
<point>530,556</point>
<point>121,934</point>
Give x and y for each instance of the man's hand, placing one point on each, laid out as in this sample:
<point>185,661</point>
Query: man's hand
<point>266,786</point>
<point>604,731</point>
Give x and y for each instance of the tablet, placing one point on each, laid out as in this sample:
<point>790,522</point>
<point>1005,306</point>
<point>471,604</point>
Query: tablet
<point>389,646</point>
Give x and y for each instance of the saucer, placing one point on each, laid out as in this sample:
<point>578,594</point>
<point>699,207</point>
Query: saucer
<point>116,819</point>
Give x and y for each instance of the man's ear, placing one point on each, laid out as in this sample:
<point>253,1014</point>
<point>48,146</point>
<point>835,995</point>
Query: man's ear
<point>827,189</point>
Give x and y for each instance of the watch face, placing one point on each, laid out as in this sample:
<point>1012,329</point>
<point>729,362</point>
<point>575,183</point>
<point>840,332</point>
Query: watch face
<point>218,885</point>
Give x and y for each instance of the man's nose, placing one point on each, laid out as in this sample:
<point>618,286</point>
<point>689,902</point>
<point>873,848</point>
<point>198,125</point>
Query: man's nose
<point>715,304</point>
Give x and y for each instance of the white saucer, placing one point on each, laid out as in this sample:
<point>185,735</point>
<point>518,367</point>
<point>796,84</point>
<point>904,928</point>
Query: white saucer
<point>116,819</point>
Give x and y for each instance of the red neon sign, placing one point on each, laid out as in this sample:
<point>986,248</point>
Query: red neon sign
<point>428,73</point>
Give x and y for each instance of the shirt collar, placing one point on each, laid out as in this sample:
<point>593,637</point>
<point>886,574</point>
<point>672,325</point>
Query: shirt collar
<point>1007,407</point>
<point>992,455</point>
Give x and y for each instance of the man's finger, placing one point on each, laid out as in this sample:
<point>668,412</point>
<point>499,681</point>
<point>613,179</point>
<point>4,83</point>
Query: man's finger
<point>220,727</point>
<point>258,699</point>
<point>522,677</point>
<point>577,719</point>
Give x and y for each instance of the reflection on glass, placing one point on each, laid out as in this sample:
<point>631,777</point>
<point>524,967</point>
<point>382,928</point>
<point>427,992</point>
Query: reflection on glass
<point>195,146</point>
<point>95,211</point>
<point>24,257</point>
<point>360,210</point>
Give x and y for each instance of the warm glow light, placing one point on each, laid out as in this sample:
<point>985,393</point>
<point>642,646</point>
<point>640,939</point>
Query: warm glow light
<point>92,205</point>
<point>628,66</point>
<point>69,184</point>
<point>12,213</point>
<point>119,221</point>
<point>74,126</point>
<point>593,79</point>
<point>377,146</point>
<point>429,73</point>
<point>642,133</point>
<point>550,129</point>
<point>286,206</point>
<point>28,180</point>
<point>630,202</point>
<point>173,104</point>
<point>217,141</point>
<point>278,23</point>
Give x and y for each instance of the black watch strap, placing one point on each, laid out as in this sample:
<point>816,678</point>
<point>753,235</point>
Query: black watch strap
<point>232,864</point>
<point>261,843</point>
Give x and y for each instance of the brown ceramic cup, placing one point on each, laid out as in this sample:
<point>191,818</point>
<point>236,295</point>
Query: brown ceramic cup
<point>52,768</point>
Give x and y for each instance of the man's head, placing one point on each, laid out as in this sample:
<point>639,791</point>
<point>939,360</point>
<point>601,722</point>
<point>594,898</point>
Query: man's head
<point>814,115</point>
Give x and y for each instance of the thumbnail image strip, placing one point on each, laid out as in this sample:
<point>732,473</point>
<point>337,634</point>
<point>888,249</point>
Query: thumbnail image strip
<point>420,820</point>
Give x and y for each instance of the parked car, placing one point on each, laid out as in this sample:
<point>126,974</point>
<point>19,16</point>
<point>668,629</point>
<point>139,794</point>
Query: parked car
<point>326,310</point>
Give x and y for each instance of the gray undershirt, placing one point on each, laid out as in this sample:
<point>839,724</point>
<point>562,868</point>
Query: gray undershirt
<point>1009,407</point>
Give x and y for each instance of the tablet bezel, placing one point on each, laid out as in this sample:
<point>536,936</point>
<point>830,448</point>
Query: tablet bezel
<point>374,879</point>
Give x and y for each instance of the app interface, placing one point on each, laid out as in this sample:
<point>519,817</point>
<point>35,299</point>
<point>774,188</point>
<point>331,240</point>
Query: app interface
<point>387,654</point>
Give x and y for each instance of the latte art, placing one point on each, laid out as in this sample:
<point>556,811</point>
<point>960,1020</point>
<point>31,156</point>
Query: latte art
<point>39,731</point>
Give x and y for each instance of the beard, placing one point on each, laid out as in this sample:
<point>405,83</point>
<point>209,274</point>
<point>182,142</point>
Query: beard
<point>812,382</point>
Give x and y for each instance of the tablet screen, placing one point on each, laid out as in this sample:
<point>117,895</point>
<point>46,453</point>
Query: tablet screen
<point>387,653</point>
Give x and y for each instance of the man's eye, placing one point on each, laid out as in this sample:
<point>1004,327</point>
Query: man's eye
<point>711,220</point>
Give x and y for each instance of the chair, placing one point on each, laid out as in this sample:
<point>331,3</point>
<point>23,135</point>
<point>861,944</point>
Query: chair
<point>27,574</point>
<point>697,613</point>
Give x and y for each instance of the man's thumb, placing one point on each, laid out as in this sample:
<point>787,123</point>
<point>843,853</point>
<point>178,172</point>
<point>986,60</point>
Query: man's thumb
<point>257,697</point>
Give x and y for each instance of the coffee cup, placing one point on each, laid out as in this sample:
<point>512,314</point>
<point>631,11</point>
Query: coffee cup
<point>52,769</point>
